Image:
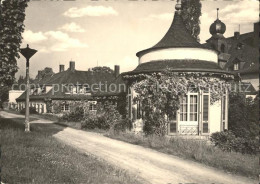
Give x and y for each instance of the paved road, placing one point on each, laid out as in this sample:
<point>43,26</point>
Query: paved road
<point>152,166</point>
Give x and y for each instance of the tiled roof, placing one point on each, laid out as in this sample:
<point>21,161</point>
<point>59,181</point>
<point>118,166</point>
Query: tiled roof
<point>176,36</point>
<point>246,53</point>
<point>178,65</point>
<point>76,77</point>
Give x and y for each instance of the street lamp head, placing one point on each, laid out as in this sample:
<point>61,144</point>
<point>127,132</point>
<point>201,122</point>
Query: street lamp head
<point>28,52</point>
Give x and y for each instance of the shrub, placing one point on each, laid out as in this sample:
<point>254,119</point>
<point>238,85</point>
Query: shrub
<point>123,125</point>
<point>155,123</point>
<point>106,117</point>
<point>32,110</point>
<point>228,141</point>
<point>243,116</point>
<point>76,115</point>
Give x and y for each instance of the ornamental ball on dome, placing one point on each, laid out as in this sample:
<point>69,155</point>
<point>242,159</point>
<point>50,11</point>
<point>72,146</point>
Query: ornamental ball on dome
<point>178,5</point>
<point>217,27</point>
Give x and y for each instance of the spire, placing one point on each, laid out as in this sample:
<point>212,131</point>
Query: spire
<point>217,12</point>
<point>178,6</point>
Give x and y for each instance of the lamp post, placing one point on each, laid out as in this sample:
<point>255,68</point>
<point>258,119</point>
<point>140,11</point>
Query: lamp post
<point>27,53</point>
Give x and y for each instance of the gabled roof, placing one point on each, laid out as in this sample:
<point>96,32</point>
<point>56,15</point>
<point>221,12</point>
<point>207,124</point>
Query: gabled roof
<point>77,78</point>
<point>176,36</point>
<point>246,53</point>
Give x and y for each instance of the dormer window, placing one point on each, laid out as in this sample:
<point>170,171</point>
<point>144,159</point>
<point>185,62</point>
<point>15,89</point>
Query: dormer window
<point>236,66</point>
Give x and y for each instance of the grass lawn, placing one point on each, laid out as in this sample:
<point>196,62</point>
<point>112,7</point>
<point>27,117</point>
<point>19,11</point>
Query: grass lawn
<point>199,151</point>
<point>37,157</point>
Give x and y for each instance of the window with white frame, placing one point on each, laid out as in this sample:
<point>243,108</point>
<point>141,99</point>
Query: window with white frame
<point>184,109</point>
<point>236,66</point>
<point>65,107</point>
<point>189,108</point>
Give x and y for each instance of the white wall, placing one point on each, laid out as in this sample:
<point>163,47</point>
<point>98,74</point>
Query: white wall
<point>215,117</point>
<point>13,94</point>
<point>180,53</point>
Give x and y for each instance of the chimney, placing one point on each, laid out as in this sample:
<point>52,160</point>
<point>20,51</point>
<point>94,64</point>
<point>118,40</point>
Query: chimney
<point>72,66</point>
<point>236,35</point>
<point>256,34</point>
<point>117,70</point>
<point>61,68</point>
<point>39,74</point>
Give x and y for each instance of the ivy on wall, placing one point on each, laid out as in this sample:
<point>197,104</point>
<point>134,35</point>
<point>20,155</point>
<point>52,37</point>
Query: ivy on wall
<point>160,94</point>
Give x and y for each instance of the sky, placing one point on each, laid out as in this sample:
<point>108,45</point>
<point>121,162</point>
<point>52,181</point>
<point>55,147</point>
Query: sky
<point>108,33</point>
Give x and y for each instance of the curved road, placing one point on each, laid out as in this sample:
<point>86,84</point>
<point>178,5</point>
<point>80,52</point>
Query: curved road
<point>154,167</point>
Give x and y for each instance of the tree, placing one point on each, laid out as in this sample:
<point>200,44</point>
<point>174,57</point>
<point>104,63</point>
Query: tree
<point>102,69</point>
<point>12,15</point>
<point>47,71</point>
<point>191,12</point>
<point>243,116</point>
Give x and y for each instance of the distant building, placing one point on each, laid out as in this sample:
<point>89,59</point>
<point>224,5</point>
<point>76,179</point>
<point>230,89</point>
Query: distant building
<point>58,92</point>
<point>238,54</point>
<point>13,95</point>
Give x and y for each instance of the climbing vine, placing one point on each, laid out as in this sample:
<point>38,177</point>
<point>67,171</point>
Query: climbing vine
<point>160,94</point>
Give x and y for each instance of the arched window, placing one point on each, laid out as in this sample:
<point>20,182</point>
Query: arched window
<point>222,48</point>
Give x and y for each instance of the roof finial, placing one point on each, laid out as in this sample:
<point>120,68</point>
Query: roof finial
<point>217,12</point>
<point>178,6</point>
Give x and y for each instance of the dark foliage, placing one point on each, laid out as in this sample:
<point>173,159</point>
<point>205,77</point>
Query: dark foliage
<point>74,116</point>
<point>12,16</point>
<point>227,141</point>
<point>243,134</point>
<point>104,69</point>
<point>32,110</point>
<point>191,12</point>
<point>106,117</point>
<point>123,125</point>
<point>3,95</point>
<point>243,116</point>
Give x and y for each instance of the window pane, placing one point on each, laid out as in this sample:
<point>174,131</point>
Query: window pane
<point>173,128</point>
<point>185,117</point>
<point>195,108</point>
<point>191,117</point>
<point>205,107</point>
<point>205,127</point>
<point>195,99</point>
<point>195,117</point>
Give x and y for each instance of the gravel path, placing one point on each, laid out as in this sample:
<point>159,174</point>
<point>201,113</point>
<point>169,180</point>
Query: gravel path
<point>152,166</point>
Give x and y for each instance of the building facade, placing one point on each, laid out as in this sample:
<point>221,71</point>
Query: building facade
<point>238,54</point>
<point>60,92</point>
<point>180,52</point>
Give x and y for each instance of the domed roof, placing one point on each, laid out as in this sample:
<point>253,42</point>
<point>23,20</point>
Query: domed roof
<point>217,27</point>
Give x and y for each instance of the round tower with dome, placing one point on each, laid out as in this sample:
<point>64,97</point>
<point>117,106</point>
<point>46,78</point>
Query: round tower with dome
<point>218,41</point>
